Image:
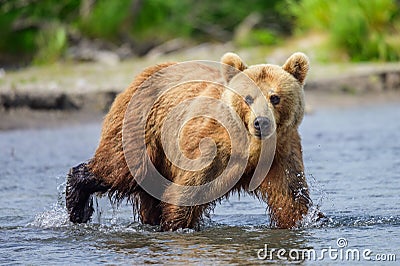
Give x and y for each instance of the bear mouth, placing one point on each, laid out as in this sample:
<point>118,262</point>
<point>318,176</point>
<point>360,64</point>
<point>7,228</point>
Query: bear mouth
<point>262,135</point>
<point>258,135</point>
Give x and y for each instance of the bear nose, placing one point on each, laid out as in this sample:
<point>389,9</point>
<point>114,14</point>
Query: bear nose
<point>262,125</point>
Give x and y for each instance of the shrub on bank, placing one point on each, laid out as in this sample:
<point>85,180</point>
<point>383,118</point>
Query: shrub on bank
<point>364,30</point>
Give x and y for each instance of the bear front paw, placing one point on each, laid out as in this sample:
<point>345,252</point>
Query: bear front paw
<point>79,201</point>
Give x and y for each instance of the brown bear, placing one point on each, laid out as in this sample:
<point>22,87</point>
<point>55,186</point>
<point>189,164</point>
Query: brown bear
<point>278,109</point>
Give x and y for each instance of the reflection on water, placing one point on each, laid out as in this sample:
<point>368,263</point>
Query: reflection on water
<point>352,161</point>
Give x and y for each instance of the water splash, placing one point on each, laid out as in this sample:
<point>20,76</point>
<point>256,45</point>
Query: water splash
<point>108,217</point>
<point>318,189</point>
<point>314,217</point>
<point>57,215</point>
<point>111,218</point>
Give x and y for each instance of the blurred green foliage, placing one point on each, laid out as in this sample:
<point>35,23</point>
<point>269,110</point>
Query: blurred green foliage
<point>158,20</point>
<point>52,42</point>
<point>42,30</point>
<point>136,20</point>
<point>365,30</point>
<point>35,28</point>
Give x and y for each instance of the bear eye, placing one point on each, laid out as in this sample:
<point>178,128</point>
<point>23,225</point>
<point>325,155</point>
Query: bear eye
<point>249,99</point>
<point>275,99</point>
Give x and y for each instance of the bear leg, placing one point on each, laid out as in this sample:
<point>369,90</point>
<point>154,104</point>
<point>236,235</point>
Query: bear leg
<point>288,202</point>
<point>81,184</point>
<point>175,217</point>
<point>150,209</point>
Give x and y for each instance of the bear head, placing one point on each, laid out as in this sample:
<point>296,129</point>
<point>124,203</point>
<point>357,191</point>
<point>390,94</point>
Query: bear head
<point>273,100</point>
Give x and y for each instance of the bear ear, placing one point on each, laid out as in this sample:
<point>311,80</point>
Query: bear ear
<point>298,66</point>
<point>232,64</point>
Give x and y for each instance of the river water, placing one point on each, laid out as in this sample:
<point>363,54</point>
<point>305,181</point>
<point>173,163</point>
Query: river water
<point>352,159</point>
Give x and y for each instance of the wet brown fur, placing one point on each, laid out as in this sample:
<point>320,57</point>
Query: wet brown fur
<point>284,188</point>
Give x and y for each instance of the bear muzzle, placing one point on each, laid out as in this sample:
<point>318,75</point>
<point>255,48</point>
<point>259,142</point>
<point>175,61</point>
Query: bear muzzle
<point>263,127</point>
